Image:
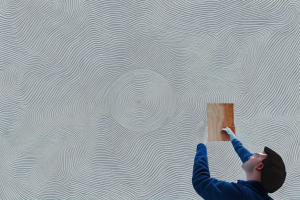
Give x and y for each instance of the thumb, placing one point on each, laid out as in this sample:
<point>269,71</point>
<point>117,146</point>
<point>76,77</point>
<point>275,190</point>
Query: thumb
<point>226,129</point>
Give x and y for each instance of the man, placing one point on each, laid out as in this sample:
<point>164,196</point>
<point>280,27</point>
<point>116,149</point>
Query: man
<point>254,166</point>
<point>265,173</point>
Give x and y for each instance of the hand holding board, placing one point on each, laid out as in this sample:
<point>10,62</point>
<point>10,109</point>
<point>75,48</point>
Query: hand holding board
<point>219,115</point>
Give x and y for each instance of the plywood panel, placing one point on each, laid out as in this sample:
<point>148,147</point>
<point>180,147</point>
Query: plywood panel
<point>219,115</point>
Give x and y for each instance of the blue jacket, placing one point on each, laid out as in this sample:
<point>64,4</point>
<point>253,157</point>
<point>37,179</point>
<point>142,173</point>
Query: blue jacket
<point>213,189</point>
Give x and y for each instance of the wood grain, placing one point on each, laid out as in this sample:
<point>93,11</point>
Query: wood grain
<point>219,115</point>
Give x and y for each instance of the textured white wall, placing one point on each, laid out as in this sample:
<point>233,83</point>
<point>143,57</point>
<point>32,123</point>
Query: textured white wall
<point>102,99</point>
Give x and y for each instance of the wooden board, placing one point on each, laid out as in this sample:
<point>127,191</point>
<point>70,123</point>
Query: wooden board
<point>219,115</point>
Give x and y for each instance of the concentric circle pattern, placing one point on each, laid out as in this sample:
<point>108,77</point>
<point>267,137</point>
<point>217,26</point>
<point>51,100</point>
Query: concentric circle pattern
<point>141,100</point>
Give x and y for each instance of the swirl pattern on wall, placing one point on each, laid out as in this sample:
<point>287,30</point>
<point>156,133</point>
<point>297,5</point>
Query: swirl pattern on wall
<point>141,100</point>
<point>103,99</point>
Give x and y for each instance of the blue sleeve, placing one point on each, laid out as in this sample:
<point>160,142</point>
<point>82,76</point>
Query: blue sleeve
<point>211,188</point>
<point>242,152</point>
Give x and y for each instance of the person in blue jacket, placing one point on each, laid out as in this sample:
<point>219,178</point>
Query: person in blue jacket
<point>265,173</point>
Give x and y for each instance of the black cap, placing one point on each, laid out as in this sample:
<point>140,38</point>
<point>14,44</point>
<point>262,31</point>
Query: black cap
<point>273,173</point>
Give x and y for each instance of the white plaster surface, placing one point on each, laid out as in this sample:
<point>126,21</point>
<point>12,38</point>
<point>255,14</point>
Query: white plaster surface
<point>103,99</point>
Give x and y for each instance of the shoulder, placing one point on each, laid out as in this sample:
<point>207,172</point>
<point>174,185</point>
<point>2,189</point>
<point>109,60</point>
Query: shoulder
<point>212,188</point>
